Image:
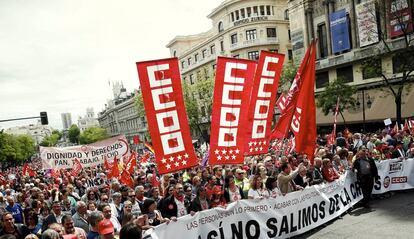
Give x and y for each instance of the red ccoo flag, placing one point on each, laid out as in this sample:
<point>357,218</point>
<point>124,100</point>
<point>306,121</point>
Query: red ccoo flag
<point>115,170</point>
<point>282,126</point>
<point>304,120</point>
<point>77,168</point>
<point>126,179</point>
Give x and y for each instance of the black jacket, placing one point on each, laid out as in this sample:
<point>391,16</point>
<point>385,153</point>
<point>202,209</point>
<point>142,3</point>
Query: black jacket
<point>48,220</point>
<point>169,207</point>
<point>373,167</point>
<point>196,205</point>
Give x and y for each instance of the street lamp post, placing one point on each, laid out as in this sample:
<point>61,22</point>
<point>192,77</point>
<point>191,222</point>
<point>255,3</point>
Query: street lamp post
<point>369,103</point>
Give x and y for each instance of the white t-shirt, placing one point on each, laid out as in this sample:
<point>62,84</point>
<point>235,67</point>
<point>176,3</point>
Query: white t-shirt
<point>234,196</point>
<point>181,210</point>
<point>259,193</point>
<point>275,193</point>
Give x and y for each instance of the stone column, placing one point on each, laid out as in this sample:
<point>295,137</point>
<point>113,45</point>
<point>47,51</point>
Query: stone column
<point>352,21</point>
<point>328,29</point>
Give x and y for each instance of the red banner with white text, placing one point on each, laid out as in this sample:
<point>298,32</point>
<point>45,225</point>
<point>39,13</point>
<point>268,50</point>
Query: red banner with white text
<point>262,102</point>
<point>167,119</point>
<point>233,87</point>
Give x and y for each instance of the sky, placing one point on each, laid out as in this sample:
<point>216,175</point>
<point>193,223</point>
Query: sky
<point>59,55</point>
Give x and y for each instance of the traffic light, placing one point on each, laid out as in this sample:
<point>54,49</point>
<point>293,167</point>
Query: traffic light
<point>43,118</point>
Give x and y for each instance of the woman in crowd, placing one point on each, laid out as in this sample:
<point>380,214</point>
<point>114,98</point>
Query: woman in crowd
<point>256,189</point>
<point>232,192</point>
<point>271,186</point>
<point>32,222</point>
<point>200,202</point>
<point>154,216</point>
<point>217,198</point>
<point>328,172</point>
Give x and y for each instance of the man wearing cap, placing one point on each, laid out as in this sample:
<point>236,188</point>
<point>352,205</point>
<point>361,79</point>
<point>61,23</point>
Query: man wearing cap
<point>241,181</point>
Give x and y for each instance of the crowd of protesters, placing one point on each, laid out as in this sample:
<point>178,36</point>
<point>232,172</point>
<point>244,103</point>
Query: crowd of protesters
<point>86,208</point>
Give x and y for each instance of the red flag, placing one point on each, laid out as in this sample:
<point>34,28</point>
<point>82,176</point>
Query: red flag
<point>395,129</point>
<point>332,137</point>
<point>304,120</point>
<point>115,170</point>
<point>55,173</point>
<point>126,179</point>
<point>145,157</point>
<point>28,171</point>
<point>77,168</point>
<point>406,127</point>
<point>262,102</point>
<point>132,163</point>
<point>164,106</point>
<point>106,164</point>
<point>233,87</point>
<point>282,126</point>
<point>136,139</point>
<point>155,182</point>
<point>282,102</point>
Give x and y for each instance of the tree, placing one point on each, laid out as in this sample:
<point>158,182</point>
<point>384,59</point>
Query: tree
<point>16,148</point>
<point>327,99</point>
<point>287,76</point>
<point>92,135</point>
<point>73,134</point>
<point>52,139</point>
<point>401,52</point>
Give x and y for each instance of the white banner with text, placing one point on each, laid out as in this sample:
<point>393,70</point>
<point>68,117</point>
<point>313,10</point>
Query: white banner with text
<point>88,155</point>
<point>395,174</point>
<point>281,217</point>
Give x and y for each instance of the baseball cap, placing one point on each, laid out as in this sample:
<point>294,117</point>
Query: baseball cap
<point>105,227</point>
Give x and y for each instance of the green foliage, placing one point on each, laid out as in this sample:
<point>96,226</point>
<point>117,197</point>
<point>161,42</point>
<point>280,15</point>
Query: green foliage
<point>139,104</point>
<point>74,133</point>
<point>16,147</point>
<point>287,76</point>
<point>51,140</point>
<point>328,98</point>
<point>92,135</point>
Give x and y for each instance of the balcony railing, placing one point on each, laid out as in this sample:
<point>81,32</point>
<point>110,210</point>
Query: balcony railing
<point>254,42</point>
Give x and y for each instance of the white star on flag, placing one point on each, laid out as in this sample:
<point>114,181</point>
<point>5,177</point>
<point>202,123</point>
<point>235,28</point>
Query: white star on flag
<point>250,144</point>
<point>177,164</point>
<point>231,151</point>
<point>233,157</point>
<point>184,162</point>
<point>216,151</point>
<point>163,160</point>
<point>224,151</point>
<point>261,148</point>
<point>264,142</point>
<point>219,157</point>
<point>260,142</point>
<point>171,159</point>
<point>186,156</point>
<point>168,166</point>
<point>179,157</point>
<point>237,151</point>
<point>251,150</point>
<point>227,157</point>
<point>256,148</point>
<point>255,143</point>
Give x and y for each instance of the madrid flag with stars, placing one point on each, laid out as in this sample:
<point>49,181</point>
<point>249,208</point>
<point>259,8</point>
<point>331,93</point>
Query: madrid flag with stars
<point>167,119</point>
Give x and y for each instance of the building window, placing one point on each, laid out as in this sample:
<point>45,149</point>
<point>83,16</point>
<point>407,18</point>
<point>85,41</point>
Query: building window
<point>183,64</point>
<point>221,46</point>
<point>213,49</point>
<point>220,27</point>
<point>255,12</point>
<point>242,13</point>
<point>274,50</point>
<point>251,34</point>
<point>214,67</point>
<point>175,53</point>
<point>237,15</point>
<point>253,55</point>
<point>290,55</point>
<point>189,61</point>
<point>286,13</point>
<point>373,70</point>
<point>192,79</point>
<point>401,62</point>
<point>204,53</point>
<point>271,32</point>
<point>233,38</point>
<point>196,57</point>
<point>262,11</point>
<point>232,17</point>
<point>289,36</point>
<point>249,11</point>
<point>345,73</point>
<point>322,78</point>
<point>268,10</point>
<point>323,45</point>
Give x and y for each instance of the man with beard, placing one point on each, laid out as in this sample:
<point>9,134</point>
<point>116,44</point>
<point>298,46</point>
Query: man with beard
<point>366,173</point>
<point>174,206</point>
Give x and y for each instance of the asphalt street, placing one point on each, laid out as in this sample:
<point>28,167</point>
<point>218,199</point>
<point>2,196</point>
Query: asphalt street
<point>389,217</point>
